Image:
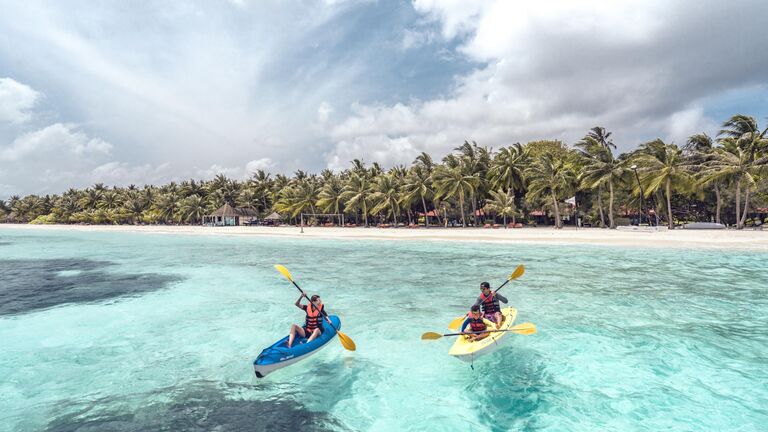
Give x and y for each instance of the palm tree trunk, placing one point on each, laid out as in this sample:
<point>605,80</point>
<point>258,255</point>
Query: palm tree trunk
<point>365,214</point>
<point>557,211</point>
<point>505,221</point>
<point>738,203</point>
<point>717,206</point>
<point>600,205</point>
<point>668,188</point>
<point>474,207</point>
<point>461,202</point>
<point>746,207</point>
<point>426,218</point>
<point>610,205</point>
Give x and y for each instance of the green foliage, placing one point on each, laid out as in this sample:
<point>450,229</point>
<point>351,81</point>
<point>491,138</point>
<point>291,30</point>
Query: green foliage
<point>696,181</point>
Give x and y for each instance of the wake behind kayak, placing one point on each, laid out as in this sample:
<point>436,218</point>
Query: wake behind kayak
<point>278,355</point>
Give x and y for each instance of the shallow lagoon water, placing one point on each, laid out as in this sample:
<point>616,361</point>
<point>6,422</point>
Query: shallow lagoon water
<point>119,331</point>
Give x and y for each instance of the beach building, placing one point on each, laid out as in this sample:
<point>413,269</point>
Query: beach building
<point>227,215</point>
<point>273,219</point>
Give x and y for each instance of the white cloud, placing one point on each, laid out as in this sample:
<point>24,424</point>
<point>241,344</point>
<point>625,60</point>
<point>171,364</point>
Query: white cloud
<point>258,164</point>
<point>555,68</point>
<point>123,174</point>
<point>324,111</point>
<point>236,172</point>
<point>48,141</point>
<point>417,38</point>
<point>685,123</point>
<point>16,101</point>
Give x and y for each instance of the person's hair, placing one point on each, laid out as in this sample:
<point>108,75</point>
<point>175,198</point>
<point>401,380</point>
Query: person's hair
<point>314,297</point>
<point>485,285</point>
<point>475,308</point>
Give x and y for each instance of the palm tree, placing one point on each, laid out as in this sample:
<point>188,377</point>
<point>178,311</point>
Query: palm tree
<point>602,137</point>
<point>418,184</point>
<point>742,137</point>
<point>700,147</point>
<point>386,195</point>
<point>552,177</point>
<point>357,193</point>
<point>192,208</point>
<point>298,197</point>
<point>663,166</point>
<point>167,206</point>
<point>503,203</point>
<point>506,170</point>
<point>600,168</point>
<point>330,197</point>
<point>454,181</point>
<point>733,163</point>
<point>133,207</point>
<point>474,161</point>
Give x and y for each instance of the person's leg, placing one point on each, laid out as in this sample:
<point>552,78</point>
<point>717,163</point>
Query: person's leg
<point>314,335</point>
<point>481,336</point>
<point>294,331</point>
<point>498,318</point>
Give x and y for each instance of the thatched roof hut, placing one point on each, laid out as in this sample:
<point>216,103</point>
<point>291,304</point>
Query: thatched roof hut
<point>227,215</point>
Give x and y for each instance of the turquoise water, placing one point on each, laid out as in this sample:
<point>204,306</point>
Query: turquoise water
<point>118,331</point>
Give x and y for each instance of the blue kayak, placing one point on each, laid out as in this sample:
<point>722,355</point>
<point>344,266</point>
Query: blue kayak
<point>278,355</point>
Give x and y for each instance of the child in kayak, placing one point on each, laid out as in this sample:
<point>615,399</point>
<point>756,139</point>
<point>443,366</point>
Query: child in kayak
<point>476,323</point>
<point>313,323</point>
<point>489,300</point>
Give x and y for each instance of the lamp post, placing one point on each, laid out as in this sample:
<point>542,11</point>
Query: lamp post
<point>642,196</point>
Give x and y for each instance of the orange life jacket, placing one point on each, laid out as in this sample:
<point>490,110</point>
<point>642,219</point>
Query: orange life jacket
<point>489,304</point>
<point>314,318</point>
<point>477,325</point>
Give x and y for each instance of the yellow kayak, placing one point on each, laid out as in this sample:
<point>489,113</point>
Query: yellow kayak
<point>467,350</point>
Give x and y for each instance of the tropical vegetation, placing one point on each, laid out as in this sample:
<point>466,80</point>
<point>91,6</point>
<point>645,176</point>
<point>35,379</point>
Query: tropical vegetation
<point>722,179</point>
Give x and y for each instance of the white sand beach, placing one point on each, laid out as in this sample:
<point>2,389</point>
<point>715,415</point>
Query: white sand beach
<point>682,238</point>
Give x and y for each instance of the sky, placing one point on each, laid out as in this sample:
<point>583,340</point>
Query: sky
<point>150,92</point>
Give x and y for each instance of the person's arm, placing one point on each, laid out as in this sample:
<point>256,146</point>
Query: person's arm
<point>478,302</point>
<point>298,302</point>
<point>464,325</point>
<point>501,298</point>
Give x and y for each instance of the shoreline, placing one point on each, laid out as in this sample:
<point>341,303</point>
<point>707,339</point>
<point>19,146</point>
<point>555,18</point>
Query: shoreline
<point>663,238</point>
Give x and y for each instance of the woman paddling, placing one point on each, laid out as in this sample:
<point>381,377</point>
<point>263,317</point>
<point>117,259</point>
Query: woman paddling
<point>313,323</point>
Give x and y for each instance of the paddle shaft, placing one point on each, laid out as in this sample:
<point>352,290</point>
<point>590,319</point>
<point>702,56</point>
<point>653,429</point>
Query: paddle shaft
<point>502,286</point>
<point>480,332</point>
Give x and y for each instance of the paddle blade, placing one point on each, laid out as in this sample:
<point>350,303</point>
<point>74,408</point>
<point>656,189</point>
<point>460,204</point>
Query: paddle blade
<point>431,336</point>
<point>524,328</point>
<point>454,325</point>
<point>284,271</point>
<point>518,272</point>
<point>346,342</point>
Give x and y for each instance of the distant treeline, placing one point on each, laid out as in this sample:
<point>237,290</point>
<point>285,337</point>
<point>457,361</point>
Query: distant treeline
<point>721,179</point>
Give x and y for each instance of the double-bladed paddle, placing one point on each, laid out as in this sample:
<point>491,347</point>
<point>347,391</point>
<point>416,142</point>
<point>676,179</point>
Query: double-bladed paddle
<point>345,340</point>
<point>515,274</point>
<point>523,329</point>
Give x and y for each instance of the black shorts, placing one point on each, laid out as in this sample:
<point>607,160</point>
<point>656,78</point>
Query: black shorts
<point>309,332</point>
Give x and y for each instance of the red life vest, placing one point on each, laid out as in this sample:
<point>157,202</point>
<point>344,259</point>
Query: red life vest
<point>489,303</point>
<point>314,318</point>
<point>477,325</point>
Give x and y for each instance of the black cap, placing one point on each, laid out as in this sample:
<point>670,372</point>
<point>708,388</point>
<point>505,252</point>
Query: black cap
<point>485,285</point>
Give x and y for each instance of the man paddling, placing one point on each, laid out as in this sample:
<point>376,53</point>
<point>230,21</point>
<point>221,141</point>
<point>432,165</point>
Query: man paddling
<point>476,324</point>
<point>313,323</point>
<point>489,301</point>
